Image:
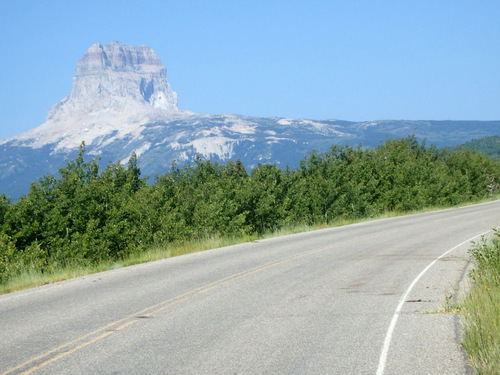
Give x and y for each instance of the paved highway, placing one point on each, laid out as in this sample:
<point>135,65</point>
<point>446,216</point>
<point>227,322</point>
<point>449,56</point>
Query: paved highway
<point>348,300</point>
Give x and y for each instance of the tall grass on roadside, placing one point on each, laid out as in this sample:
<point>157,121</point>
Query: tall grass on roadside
<point>30,278</point>
<point>482,308</point>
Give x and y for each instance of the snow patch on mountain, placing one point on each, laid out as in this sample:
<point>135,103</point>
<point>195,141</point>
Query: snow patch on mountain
<point>279,139</point>
<point>366,125</point>
<point>214,146</point>
<point>239,125</point>
<point>285,121</point>
<point>141,150</point>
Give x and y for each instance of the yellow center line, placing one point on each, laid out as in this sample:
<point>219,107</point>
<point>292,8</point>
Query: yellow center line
<point>76,348</point>
<point>90,338</point>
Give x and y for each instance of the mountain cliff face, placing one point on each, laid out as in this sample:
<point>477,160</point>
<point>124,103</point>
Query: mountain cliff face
<point>121,102</point>
<point>115,89</point>
<point>113,77</point>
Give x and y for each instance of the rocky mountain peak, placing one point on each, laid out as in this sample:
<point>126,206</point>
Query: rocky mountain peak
<point>118,57</point>
<point>114,79</point>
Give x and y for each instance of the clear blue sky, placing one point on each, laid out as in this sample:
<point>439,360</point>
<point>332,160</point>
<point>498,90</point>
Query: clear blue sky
<point>349,59</point>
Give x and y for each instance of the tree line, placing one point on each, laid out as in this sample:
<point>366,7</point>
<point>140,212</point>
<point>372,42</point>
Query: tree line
<point>87,215</point>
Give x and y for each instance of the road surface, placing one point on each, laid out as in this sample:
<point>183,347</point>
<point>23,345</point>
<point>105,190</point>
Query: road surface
<point>359,299</point>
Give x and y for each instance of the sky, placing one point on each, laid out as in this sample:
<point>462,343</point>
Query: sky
<point>349,60</point>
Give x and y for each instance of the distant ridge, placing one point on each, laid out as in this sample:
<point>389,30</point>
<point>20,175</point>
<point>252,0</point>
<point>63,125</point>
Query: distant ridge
<point>489,146</point>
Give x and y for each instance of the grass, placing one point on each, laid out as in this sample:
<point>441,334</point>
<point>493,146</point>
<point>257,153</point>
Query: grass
<point>30,279</point>
<point>481,308</point>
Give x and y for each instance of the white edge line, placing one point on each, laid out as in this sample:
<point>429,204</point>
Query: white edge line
<point>388,337</point>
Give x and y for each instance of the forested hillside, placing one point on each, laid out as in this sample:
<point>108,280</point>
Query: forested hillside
<point>489,146</point>
<point>86,215</point>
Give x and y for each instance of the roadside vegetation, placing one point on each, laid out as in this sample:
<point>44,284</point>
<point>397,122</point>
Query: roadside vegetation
<point>481,308</point>
<point>87,220</point>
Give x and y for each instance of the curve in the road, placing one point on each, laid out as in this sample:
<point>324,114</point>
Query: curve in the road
<point>388,337</point>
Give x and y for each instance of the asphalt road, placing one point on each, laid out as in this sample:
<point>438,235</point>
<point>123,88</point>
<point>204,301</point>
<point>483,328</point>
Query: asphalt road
<point>359,299</point>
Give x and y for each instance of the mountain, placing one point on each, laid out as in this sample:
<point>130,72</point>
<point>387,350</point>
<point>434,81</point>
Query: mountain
<point>489,146</point>
<point>121,103</point>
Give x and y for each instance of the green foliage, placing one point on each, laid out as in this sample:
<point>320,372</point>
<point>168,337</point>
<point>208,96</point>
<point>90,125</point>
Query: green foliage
<point>87,216</point>
<point>486,257</point>
<point>4,206</point>
<point>482,307</point>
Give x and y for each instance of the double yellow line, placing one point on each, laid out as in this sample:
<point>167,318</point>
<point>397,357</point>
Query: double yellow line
<point>68,348</point>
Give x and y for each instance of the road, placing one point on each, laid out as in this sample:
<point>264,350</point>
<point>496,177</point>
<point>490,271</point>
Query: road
<point>360,299</point>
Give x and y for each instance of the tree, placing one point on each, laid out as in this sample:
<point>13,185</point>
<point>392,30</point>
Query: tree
<point>4,207</point>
